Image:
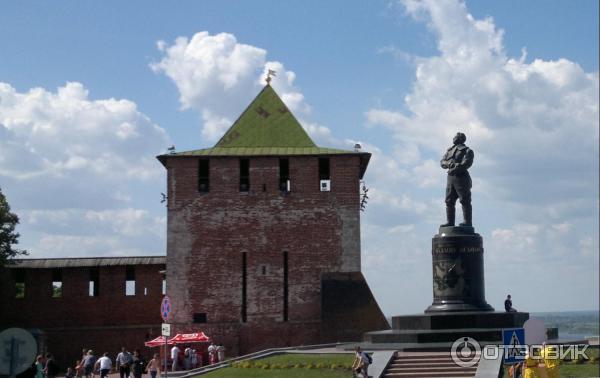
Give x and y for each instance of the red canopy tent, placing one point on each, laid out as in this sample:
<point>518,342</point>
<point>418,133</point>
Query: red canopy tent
<point>189,338</point>
<point>159,341</point>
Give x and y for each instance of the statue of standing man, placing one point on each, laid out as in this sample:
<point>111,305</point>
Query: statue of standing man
<point>457,160</point>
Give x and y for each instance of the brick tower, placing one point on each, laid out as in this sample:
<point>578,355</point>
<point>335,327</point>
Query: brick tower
<point>263,236</point>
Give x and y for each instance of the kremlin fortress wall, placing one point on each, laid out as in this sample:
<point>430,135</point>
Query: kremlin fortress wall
<point>263,250</point>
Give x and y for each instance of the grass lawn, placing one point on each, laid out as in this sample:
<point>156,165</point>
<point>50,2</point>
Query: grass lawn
<point>581,370</point>
<point>296,365</point>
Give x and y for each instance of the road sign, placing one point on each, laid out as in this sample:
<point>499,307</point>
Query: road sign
<point>18,351</point>
<point>165,308</point>
<point>514,344</point>
<point>166,329</point>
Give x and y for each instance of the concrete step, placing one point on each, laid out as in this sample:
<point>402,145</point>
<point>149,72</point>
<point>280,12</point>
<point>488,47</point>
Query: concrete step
<point>410,359</point>
<point>430,375</point>
<point>432,369</point>
<point>424,356</point>
<point>418,364</point>
<point>426,364</point>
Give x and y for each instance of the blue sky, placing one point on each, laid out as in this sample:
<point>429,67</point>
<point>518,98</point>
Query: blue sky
<point>89,96</point>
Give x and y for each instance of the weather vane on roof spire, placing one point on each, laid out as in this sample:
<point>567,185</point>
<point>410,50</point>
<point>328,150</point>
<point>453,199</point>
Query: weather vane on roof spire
<point>269,74</point>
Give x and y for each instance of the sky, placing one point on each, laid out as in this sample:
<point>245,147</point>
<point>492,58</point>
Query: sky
<point>91,92</point>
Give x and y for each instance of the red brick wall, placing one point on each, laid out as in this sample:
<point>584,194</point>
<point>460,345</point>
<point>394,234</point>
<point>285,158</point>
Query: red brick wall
<point>76,320</point>
<point>208,232</point>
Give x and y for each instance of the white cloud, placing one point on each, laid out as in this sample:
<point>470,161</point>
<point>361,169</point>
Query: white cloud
<point>68,162</point>
<point>530,124</point>
<point>58,134</point>
<point>534,127</point>
<point>218,77</point>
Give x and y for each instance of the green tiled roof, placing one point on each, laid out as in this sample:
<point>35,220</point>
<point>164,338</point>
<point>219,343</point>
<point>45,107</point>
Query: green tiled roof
<point>266,122</point>
<point>266,128</point>
<point>262,151</point>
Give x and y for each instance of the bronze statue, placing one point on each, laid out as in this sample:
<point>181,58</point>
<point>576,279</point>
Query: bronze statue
<point>457,160</point>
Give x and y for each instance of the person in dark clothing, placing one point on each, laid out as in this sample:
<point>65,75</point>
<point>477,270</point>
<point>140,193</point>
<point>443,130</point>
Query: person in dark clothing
<point>508,305</point>
<point>124,363</point>
<point>51,369</point>
<point>138,364</point>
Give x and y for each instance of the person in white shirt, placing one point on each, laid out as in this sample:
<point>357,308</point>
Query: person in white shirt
<point>187,358</point>
<point>221,353</point>
<point>361,362</point>
<point>105,365</point>
<point>123,362</point>
<point>175,357</point>
<point>212,353</point>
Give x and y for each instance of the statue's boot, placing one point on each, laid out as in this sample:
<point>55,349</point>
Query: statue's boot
<point>450,214</point>
<point>467,215</point>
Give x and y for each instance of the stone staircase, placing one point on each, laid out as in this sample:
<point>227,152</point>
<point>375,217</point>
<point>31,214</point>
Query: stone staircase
<point>426,364</point>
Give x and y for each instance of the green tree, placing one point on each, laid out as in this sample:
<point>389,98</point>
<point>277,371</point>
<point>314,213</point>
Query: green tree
<point>8,236</point>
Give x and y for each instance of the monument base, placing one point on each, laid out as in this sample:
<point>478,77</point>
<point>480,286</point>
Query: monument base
<point>443,329</point>
<point>457,271</point>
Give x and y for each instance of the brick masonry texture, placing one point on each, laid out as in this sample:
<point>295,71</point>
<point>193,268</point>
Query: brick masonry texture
<point>207,236</point>
<point>74,321</point>
<point>208,233</point>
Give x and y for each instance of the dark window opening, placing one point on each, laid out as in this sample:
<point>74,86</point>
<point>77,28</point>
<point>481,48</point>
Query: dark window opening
<point>129,281</point>
<point>324,169</point>
<point>284,175</point>
<point>244,175</point>
<point>244,268</point>
<point>203,175</point>
<point>264,270</point>
<point>285,286</point>
<point>94,284</point>
<point>19,276</point>
<point>200,317</point>
<point>57,283</point>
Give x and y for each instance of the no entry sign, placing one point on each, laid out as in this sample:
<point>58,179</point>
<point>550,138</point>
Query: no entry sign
<point>165,308</point>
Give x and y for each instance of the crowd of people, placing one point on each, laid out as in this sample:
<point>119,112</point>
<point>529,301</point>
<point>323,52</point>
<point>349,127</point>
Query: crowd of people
<point>190,358</point>
<point>126,364</point>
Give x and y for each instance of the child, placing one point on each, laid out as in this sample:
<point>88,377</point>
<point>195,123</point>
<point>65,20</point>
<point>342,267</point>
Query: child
<point>154,366</point>
<point>78,369</point>
<point>70,373</point>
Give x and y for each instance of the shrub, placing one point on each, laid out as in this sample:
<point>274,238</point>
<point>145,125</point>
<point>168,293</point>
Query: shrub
<point>297,366</point>
<point>320,365</point>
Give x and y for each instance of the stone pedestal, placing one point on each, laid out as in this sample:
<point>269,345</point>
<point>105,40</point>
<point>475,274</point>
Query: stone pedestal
<point>459,308</point>
<point>441,329</point>
<point>457,263</point>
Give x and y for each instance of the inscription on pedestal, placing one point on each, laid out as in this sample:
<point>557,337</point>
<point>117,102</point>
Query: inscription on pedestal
<point>459,250</point>
<point>458,283</point>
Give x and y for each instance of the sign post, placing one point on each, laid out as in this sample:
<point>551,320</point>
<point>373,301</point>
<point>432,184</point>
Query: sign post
<point>165,312</point>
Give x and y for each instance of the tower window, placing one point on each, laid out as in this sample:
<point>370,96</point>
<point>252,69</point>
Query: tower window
<point>244,175</point>
<point>285,286</point>
<point>324,173</point>
<point>94,283</point>
<point>203,175</point>
<point>19,276</point>
<point>129,281</point>
<point>199,317</point>
<point>244,269</point>
<point>57,283</point>
<point>284,175</point>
